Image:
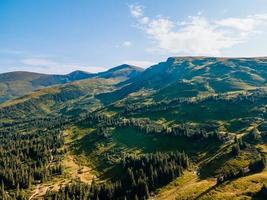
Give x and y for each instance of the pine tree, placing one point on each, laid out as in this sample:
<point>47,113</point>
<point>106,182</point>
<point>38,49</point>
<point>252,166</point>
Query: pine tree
<point>236,149</point>
<point>142,189</point>
<point>17,190</point>
<point>2,194</point>
<point>130,181</point>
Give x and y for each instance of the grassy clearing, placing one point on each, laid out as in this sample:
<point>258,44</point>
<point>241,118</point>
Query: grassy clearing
<point>226,162</point>
<point>74,170</point>
<point>101,156</point>
<point>104,154</point>
<point>33,95</point>
<point>203,112</point>
<point>188,186</point>
<point>132,138</point>
<point>91,150</point>
<point>77,164</point>
<point>237,125</point>
<point>74,134</point>
<point>241,188</point>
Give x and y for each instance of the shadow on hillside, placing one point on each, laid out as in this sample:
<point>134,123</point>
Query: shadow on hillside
<point>260,195</point>
<point>208,168</point>
<point>205,192</point>
<point>88,146</point>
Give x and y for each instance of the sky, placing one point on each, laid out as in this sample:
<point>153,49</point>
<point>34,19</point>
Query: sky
<point>61,36</point>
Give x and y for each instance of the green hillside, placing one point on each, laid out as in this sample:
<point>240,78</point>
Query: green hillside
<point>16,84</point>
<point>193,76</point>
<point>187,128</point>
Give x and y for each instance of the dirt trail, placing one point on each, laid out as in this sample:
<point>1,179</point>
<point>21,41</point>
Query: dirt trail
<point>72,171</point>
<point>39,192</point>
<point>36,192</point>
<point>76,171</point>
<point>249,129</point>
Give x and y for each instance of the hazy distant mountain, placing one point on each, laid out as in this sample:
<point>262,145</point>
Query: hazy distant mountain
<point>15,84</point>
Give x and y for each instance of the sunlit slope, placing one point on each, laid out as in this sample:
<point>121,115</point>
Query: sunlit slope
<point>192,76</point>
<point>57,100</point>
<point>16,84</point>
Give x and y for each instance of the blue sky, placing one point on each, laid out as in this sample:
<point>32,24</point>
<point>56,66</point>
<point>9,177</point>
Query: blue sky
<point>60,36</point>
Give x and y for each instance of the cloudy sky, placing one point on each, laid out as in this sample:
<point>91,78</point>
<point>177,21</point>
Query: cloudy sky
<point>51,36</point>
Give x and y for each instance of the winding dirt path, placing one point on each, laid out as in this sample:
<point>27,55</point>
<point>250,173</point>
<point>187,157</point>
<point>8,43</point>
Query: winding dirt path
<point>35,193</point>
<point>76,171</point>
<point>72,171</point>
<point>39,192</point>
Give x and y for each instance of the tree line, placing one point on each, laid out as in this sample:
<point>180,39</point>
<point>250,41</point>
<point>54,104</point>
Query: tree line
<point>255,96</point>
<point>140,176</point>
<point>256,165</point>
<point>29,157</point>
<point>145,125</point>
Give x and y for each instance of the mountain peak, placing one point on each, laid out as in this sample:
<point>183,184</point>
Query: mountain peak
<point>78,72</point>
<point>18,75</point>
<point>124,71</point>
<point>126,66</point>
<point>78,75</point>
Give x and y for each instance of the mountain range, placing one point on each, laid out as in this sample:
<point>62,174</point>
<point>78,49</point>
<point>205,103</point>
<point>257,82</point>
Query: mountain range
<point>19,83</point>
<point>185,128</point>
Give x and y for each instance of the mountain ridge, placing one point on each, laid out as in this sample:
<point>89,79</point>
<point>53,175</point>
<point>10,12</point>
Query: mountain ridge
<point>211,73</point>
<point>18,83</point>
<point>211,110</point>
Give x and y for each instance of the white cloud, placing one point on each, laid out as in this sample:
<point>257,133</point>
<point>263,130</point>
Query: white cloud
<point>127,44</point>
<point>197,35</point>
<point>44,65</point>
<point>139,63</point>
<point>136,10</point>
<point>247,24</point>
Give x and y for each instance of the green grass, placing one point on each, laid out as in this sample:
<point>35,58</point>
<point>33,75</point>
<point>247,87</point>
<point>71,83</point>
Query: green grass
<point>179,89</point>
<point>237,125</point>
<point>203,112</point>
<point>74,134</point>
<point>104,154</point>
<point>189,186</point>
<point>92,149</point>
<point>242,188</point>
<point>226,163</point>
<point>132,138</point>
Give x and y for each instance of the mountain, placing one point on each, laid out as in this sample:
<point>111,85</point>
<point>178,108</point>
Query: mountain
<point>123,71</point>
<point>15,84</point>
<point>186,128</point>
<point>191,76</point>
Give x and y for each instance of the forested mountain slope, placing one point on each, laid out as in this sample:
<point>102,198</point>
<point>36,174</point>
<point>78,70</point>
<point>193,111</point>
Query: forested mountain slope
<point>191,76</point>
<point>187,128</point>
